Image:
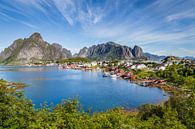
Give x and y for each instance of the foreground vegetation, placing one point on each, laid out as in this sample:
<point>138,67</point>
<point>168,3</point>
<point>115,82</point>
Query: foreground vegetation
<point>179,76</point>
<point>17,112</point>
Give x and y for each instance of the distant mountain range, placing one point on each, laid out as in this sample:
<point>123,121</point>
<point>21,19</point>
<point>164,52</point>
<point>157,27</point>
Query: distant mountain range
<point>35,49</point>
<point>154,57</point>
<point>189,57</point>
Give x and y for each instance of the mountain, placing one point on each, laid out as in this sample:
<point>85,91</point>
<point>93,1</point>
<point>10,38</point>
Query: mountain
<point>32,49</point>
<point>111,50</point>
<point>189,57</point>
<point>83,52</point>
<point>154,57</point>
<point>137,52</point>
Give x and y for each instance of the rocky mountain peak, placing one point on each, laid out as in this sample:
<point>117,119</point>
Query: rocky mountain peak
<point>111,50</point>
<point>36,37</point>
<point>83,52</point>
<point>137,52</point>
<point>32,49</point>
<point>136,47</point>
<point>58,46</point>
<point>111,43</point>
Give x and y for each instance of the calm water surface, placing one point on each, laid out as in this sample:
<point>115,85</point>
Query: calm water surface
<point>93,91</point>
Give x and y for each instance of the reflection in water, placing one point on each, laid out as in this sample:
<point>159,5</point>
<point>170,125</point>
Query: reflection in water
<point>52,85</point>
<point>24,68</point>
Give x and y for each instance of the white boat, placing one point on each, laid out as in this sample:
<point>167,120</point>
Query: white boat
<point>106,74</point>
<point>113,76</point>
<point>61,67</point>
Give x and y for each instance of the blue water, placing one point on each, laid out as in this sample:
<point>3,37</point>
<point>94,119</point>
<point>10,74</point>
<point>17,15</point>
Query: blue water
<point>92,90</point>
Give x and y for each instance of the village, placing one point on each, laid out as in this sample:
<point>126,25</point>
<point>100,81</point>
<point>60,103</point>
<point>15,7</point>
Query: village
<point>132,70</point>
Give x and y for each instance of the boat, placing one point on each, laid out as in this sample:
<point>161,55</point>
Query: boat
<point>113,76</point>
<point>61,67</point>
<point>106,74</point>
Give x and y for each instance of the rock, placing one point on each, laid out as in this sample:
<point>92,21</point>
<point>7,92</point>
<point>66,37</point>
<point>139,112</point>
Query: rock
<point>137,52</point>
<point>37,37</point>
<point>83,52</point>
<point>111,50</point>
<point>154,57</point>
<point>32,49</point>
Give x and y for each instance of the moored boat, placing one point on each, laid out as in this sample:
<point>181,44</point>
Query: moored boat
<point>113,76</point>
<point>106,74</point>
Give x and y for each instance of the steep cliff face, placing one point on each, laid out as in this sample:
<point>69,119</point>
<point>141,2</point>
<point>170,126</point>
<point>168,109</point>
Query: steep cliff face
<point>111,50</point>
<point>83,52</point>
<point>137,52</point>
<point>31,49</point>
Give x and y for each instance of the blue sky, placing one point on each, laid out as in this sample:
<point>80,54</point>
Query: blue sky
<point>163,27</point>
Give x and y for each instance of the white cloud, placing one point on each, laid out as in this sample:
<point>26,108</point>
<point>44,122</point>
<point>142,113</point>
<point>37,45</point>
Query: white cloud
<point>152,37</point>
<point>187,51</point>
<point>90,17</point>
<point>28,24</point>
<point>74,50</point>
<point>67,8</point>
<point>79,12</point>
<point>33,3</point>
<point>171,51</point>
<point>7,17</point>
<point>181,15</point>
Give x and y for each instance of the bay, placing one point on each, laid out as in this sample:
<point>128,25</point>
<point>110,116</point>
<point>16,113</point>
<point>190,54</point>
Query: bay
<point>51,85</point>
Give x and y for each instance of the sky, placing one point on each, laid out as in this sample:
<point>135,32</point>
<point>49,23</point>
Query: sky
<point>163,27</point>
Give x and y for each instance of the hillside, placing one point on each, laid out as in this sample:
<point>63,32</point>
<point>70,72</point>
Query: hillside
<point>154,57</point>
<point>32,49</point>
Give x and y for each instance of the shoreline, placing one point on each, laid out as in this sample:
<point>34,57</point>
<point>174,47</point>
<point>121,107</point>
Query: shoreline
<point>140,82</point>
<point>163,87</point>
